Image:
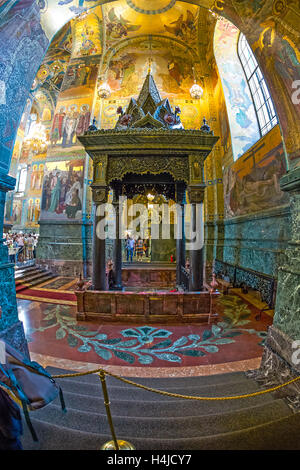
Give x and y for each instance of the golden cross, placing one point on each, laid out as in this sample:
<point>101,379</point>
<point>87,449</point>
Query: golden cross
<point>150,65</point>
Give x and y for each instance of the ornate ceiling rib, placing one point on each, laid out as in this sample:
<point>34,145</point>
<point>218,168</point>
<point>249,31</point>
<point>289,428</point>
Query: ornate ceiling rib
<point>132,4</point>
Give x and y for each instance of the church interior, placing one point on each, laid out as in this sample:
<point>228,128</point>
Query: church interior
<point>149,221</point>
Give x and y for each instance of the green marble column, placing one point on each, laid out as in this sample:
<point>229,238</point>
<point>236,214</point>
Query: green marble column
<point>280,361</point>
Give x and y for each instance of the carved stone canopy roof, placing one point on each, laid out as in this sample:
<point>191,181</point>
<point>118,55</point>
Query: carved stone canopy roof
<point>149,110</point>
<point>148,141</point>
<point>149,128</point>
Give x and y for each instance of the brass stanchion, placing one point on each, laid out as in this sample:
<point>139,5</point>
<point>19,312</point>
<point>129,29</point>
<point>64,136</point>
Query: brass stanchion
<point>114,444</point>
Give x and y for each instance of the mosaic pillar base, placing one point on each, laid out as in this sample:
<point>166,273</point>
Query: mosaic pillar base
<point>281,358</point>
<point>15,336</point>
<point>11,329</point>
<point>278,366</point>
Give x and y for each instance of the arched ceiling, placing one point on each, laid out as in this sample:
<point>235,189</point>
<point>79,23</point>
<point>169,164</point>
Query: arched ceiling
<point>175,19</point>
<point>150,15</point>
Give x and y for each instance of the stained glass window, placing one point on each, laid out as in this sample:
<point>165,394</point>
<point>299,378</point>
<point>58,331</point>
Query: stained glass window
<point>265,111</point>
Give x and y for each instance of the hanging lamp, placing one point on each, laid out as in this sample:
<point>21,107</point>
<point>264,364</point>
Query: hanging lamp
<point>196,91</point>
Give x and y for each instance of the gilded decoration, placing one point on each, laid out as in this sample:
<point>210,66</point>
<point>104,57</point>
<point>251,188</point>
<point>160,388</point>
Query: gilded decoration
<point>149,138</point>
<point>196,194</point>
<point>196,169</point>
<point>137,6</point>
<point>176,166</point>
<point>99,194</point>
<point>100,168</point>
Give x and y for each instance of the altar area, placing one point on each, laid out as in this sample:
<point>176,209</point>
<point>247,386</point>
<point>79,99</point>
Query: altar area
<point>149,153</point>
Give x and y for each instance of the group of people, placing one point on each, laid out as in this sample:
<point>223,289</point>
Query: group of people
<point>138,248</point>
<point>21,247</point>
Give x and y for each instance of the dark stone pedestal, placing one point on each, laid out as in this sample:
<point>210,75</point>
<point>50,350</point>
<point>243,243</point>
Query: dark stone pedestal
<point>65,247</point>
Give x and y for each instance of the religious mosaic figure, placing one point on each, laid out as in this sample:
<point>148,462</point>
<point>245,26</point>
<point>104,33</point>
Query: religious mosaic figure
<point>30,211</point>
<point>57,126</point>
<point>88,46</point>
<point>33,177</point>
<point>55,192</point>
<point>74,198</point>
<point>69,126</point>
<point>83,120</point>
<point>74,206</point>
<point>37,210</point>
<point>46,198</point>
<point>183,28</point>
<point>118,27</point>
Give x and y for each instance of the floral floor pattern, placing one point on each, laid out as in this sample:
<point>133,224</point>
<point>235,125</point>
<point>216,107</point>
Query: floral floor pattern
<point>53,330</point>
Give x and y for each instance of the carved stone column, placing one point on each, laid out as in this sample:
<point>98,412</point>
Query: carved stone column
<point>281,357</point>
<point>99,267</point>
<point>117,253</point>
<point>180,240</point>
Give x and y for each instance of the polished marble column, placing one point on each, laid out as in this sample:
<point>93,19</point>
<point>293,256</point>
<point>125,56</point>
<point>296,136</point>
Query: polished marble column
<point>196,258</point>
<point>196,196</point>
<point>180,242</point>
<point>117,251</point>
<point>99,266</point>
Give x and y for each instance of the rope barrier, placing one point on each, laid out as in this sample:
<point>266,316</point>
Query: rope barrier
<point>176,395</point>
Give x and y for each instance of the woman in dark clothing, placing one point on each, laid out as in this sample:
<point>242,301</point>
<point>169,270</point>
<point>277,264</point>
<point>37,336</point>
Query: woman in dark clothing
<point>111,277</point>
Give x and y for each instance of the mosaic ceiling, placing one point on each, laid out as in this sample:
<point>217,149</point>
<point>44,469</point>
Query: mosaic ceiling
<point>125,17</point>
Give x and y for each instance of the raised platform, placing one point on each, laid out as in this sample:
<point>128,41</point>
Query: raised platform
<point>155,276</point>
<point>149,307</point>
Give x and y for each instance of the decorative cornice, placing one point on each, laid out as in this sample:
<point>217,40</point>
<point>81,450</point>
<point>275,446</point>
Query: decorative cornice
<point>191,132</point>
<point>291,180</point>
<point>280,211</point>
<point>175,166</point>
<point>145,141</point>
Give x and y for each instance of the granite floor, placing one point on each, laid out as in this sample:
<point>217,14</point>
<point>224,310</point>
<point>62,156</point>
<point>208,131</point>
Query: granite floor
<point>234,342</point>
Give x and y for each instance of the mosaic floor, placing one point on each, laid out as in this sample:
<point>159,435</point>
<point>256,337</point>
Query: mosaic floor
<point>235,342</point>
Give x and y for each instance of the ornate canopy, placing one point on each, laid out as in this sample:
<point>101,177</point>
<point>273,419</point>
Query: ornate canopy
<point>149,138</point>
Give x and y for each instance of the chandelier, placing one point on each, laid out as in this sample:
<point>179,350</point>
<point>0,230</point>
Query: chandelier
<point>196,91</point>
<point>104,91</point>
<point>37,139</point>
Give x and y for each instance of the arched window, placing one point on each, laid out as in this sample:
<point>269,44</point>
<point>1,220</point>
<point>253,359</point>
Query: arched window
<point>21,180</point>
<point>264,107</point>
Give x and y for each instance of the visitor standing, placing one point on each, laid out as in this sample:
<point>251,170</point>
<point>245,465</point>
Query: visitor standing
<point>139,249</point>
<point>30,242</point>
<point>35,241</point>
<point>111,279</point>
<point>20,253</point>
<point>130,248</point>
<point>146,247</point>
<point>12,250</point>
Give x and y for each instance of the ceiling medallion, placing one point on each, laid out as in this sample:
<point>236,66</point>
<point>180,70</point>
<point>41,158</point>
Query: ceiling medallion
<point>131,4</point>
